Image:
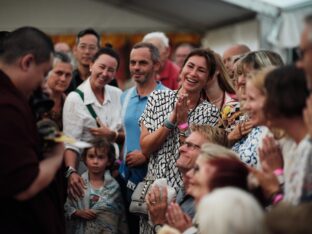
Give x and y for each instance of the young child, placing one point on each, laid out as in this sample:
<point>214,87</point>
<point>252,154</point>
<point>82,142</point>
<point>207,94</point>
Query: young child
<point>101,210</point>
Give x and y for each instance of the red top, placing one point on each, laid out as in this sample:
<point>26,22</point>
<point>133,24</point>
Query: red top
<point>169,75</point>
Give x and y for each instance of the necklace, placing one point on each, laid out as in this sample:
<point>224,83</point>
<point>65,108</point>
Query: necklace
<point>216,103</point>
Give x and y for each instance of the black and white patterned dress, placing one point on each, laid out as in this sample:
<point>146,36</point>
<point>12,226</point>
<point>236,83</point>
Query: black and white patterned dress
<point>162,163</point>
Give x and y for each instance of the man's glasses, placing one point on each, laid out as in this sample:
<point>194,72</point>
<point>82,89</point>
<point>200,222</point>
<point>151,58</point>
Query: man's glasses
<point>87,47</point>
<point>191,146</point>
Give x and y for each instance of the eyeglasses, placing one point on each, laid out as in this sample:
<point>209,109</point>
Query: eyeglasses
<point>191,146</point>
<point>301,52</point>
<point>89,47</point>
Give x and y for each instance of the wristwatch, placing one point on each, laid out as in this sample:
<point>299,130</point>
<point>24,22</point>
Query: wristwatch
<point>157,227</point>
<point>69,170</point>
<point>185,133</point>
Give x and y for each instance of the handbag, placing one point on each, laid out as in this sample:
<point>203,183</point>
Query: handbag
<point>138,205</point>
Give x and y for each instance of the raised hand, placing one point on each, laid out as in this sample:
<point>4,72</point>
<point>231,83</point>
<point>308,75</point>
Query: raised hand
<point>156,201</point>
<point>135,158</point>
<point>270,154</point>
<point>177,218</point>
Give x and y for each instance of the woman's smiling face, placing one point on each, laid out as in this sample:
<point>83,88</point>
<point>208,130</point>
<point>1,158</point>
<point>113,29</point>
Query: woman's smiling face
<point>194,74</point>
<point>254,103</point>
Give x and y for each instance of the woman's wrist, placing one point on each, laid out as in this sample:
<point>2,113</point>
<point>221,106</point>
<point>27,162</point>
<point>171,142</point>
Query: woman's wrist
<point>169,125</point>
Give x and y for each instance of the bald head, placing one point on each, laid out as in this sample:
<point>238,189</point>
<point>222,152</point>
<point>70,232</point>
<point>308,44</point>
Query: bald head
<point>230,55</point>
<point>235,50</point>
<point>62,47</point>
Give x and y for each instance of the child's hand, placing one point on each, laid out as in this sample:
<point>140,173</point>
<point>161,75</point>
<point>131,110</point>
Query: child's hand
<point>85,214</point>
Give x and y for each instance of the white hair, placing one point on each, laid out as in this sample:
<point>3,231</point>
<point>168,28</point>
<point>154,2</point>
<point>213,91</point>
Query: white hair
<point>158,35</point>
<point>230,211</point>
<point>168,230</point>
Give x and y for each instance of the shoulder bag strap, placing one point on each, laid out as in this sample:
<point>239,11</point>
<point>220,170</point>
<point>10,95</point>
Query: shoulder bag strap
<point>89,106</point>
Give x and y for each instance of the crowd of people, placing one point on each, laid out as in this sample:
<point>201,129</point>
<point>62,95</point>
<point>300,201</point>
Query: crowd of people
<point>228,136</point>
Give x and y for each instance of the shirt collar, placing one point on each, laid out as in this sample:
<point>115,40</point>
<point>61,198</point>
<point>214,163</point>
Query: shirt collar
<point>89,97</point>
<point>134,93</point>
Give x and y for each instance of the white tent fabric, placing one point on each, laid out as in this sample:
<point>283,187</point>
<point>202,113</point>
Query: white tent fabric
<point>286,31</point>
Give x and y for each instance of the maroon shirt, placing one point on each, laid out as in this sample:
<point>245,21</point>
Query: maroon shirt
<point>19,166</point>
<point>169,75</point>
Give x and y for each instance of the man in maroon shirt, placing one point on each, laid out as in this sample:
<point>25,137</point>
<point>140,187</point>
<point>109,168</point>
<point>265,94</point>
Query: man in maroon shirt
<point>29,203</point>
<point>168,73</point>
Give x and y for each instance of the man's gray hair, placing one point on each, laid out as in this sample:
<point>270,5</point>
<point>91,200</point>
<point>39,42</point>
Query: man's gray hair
<point>158,35</point>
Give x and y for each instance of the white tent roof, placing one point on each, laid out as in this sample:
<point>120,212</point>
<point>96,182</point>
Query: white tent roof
<point>70,16</point>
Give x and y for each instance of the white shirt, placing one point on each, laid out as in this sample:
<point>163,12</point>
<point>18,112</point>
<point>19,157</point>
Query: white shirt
<point>77,119</point>
<point>298,180</point>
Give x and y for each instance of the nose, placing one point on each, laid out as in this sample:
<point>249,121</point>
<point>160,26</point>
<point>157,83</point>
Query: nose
<point>136,66</point>
<point>182,148</point>
<point>95,160</point>
<point>189,174</point>
<point>193,72</point>
<point>63,77</point>
<point>105,72</point>
<point>246,105</point>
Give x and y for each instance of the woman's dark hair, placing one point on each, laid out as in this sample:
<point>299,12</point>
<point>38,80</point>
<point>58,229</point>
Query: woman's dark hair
<point>286,92</point>
<point>209,57</point>
<point>102,143</point>
<point>108,49</point>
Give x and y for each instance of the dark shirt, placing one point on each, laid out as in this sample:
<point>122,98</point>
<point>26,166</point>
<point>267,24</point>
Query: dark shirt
<point>75,82</point>
<point>186,202</point>
<point>19,166</point>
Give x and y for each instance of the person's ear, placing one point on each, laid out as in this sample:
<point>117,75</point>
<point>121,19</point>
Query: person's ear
<point>90,66</point>
<point>157,66</point>
<point>168,50</point>
<point>26,61</point>
<point>75,50</point>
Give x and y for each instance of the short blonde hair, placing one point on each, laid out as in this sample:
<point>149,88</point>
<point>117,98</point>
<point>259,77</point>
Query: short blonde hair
<point>257,78</point>
<point>212,134</point>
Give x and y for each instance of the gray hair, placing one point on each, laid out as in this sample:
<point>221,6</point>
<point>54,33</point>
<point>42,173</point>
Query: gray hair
<point>157,35</point>
<point>153,50</point>
<point>61,57</point>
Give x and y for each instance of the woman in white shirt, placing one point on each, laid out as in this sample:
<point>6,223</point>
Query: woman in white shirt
<point>79,121</point>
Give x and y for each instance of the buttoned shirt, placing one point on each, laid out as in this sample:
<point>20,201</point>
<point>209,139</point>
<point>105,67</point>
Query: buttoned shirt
<point>77,119</point>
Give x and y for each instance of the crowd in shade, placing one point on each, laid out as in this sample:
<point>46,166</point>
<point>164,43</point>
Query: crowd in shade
<point>201,143</point>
